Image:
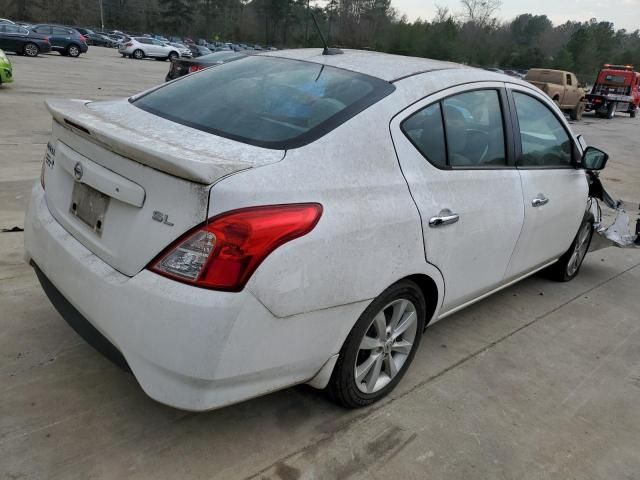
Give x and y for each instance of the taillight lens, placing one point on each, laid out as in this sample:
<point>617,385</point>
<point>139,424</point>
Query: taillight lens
<point>195,68</point>
<point>128,44</point>
<point>224,253</point>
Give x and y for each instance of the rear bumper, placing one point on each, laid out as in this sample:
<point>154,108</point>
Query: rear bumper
<point>190,348</point>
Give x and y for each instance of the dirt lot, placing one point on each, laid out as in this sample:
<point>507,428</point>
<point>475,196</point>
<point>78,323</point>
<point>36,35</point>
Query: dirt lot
<point>539,381</point>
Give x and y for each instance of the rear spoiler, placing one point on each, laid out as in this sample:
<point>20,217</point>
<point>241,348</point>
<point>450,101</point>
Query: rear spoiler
<point>178,160</point>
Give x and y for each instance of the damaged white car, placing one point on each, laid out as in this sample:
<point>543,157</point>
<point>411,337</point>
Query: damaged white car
<point>302,219</point>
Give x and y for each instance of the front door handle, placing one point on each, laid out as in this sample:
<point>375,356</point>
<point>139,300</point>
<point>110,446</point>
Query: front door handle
<point>445,217</point>
<point>539,200</point>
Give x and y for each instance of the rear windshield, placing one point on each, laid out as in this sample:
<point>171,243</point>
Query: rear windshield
<point>547,76</point>
<point>266,101</point>
<point>615,79</point>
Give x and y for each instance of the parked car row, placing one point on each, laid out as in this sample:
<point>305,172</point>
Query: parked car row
<point>31,40</point>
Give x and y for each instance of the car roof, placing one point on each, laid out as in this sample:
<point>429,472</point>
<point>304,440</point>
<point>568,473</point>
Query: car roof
<point>382,65</point>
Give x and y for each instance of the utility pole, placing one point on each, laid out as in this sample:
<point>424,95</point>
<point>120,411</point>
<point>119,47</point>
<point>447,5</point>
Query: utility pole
<point>101,16</point>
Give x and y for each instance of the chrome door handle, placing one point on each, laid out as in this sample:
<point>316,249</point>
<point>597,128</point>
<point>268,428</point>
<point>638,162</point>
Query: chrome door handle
<point>445,217</point>
<point>539,200</point>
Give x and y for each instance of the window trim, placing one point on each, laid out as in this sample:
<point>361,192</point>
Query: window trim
<point>506,129</point>
<point>518,139</point>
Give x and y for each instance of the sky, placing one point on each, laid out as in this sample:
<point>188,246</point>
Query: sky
<point>623,13</point>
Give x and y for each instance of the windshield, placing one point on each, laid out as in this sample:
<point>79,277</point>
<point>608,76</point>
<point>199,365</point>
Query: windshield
<point>266,101</point>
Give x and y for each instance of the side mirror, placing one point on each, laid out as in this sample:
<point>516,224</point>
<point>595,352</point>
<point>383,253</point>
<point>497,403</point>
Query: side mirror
<point>594,159</point>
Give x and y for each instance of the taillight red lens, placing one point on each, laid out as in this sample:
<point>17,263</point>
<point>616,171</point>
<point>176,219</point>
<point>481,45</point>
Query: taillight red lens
<point>129,44</point>
<point>195,68</point>
<point>224,253</point>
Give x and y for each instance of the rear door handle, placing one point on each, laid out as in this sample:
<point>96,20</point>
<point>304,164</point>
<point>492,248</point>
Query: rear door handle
<point>445,217</point>
<point>539,200</point>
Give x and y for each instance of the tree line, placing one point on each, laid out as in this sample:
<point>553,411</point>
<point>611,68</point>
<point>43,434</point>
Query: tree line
<point>473,35</point>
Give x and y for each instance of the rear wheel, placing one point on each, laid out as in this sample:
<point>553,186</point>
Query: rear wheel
<point>568,266</point>
<point>31,50</point>
<point>576,113</point>
<point>611,110</point>
<point>73,50</point>
<point>380,347</point>
<point>138,54</point>
<point>633,112</point>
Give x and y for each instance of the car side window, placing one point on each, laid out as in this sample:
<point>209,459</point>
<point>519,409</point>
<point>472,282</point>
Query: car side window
<point>426,131</point>
<point>569,79</point>
<point>545,142</point>
<point>44,30</point>
<point>474,129</point>
<point>59,31</point>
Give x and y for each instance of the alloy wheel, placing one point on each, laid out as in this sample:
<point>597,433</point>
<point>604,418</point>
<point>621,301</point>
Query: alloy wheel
<point>579,249</point>
<point>74,51</point>
<point>385,346</point>
<point>31,50</point>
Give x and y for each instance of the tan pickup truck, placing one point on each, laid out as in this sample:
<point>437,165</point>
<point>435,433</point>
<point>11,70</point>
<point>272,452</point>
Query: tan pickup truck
<point>562,87</point>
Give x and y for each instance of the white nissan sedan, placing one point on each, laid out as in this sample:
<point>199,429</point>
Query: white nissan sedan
<point>301,219</point>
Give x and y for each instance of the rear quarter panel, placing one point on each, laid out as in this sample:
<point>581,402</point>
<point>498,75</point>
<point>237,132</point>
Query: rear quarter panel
<point>369,235</point>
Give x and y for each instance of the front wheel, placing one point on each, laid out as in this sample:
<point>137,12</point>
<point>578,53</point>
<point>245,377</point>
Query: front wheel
<point>138,54</point>
<point>633,112</point>
<point>568,265</point>
<point>173,56</point>
<point>31,50</point>
<point>380,347</point>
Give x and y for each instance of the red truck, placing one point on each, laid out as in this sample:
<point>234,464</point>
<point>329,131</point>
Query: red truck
<point>617,88</point>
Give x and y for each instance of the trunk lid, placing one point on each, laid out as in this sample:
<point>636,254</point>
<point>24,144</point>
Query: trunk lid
<point>126,183</point>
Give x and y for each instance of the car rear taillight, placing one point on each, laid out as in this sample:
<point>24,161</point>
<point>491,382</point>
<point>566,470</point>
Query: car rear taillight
<point>129,44</point>
<point>83,38</point>
<point>196,68</point>
<point>223,253</point>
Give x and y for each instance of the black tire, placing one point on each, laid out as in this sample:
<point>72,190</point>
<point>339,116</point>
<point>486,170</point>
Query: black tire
<point>342,387</point>
<point>611,110</point>
<point>73,50</point>
<point>576,113</point>
<point>173,56</point>
<point>124,55</point>
<point>138,54</point>
<point>633,113</point>
<point>30,49</point>
<point>561,271</point>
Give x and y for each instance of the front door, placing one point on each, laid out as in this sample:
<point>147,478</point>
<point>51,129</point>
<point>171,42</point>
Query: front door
<point>455,149</point>
<point>554,192</point>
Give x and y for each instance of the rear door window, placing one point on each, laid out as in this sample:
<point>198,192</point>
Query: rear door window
<point>266,101</point>
<point>464,130</point>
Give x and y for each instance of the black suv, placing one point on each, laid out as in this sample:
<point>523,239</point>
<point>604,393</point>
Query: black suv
<point>65,40</point>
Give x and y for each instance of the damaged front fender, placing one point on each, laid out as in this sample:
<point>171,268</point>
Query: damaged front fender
<point>614,225</point>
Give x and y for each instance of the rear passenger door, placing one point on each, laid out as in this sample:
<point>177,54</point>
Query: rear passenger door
<point>455,149</point>
<point>554,191</point>
<point>60,37</point>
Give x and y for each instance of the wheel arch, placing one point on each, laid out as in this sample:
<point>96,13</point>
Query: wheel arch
<point>430,292</point>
